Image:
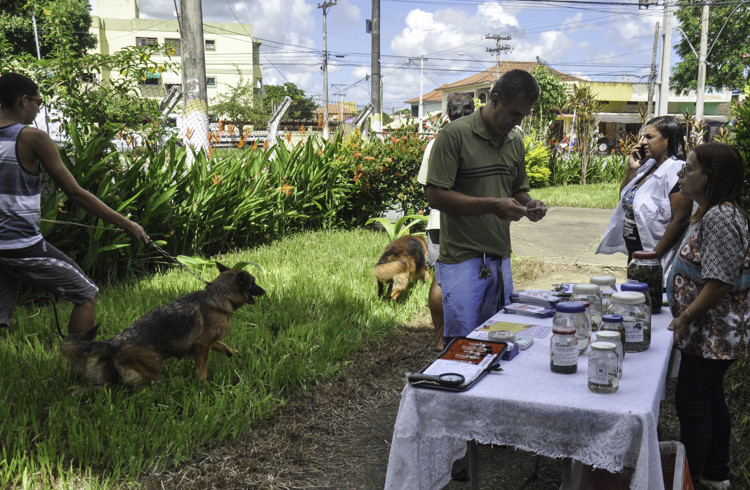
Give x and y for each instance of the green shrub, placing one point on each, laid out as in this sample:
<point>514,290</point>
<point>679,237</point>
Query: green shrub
<point>537,156</point>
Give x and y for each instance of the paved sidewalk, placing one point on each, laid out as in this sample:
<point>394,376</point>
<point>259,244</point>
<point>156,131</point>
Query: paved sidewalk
<point>566,236</point>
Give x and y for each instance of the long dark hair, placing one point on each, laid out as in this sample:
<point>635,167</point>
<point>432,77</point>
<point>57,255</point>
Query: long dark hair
<point>671,129</point>
<point>725,172</point>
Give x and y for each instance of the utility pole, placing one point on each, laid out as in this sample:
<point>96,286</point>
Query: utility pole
<point>376,87</point>
<point>505,48</point>
<point>325,6</point>
<point>701,87</point>
<point>421,89</point>
<point>194,76</point>
<point>666,52</point>
<point>340,93</point>
<point>652,75</point>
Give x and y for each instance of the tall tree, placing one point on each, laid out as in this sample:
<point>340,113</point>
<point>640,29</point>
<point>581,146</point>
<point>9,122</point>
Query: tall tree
<point>728,33</point>
<point>552,97</point>
<point>583,101</point>
<point>302,106</point>
<point>240,105</point>
<point>17,29</point>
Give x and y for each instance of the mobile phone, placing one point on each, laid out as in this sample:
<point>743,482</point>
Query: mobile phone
<point>641,152</point>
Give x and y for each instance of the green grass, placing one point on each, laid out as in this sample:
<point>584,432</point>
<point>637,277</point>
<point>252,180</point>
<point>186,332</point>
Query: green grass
<point>603,196</point>
<point>320,304</point>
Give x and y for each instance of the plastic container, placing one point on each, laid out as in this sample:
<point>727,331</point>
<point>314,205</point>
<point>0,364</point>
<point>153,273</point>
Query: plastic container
<point>636,318</point>
<point>603,368</point>
<point>573,314</point>
<point>645,267</point>
<point>592,294</point>
<point>613,323</point>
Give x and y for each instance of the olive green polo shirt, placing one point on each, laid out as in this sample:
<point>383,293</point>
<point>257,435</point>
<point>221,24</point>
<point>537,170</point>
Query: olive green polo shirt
<point>465,160</point>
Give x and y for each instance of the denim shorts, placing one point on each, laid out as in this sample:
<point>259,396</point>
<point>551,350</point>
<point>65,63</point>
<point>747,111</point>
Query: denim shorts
<point>469,301</point>
<point>44,267</point>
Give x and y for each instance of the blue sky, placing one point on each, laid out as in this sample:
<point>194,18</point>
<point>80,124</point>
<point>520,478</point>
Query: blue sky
<point>596,40</point>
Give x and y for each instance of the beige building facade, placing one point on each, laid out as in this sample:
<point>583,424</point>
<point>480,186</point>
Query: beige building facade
<point>231,51</point>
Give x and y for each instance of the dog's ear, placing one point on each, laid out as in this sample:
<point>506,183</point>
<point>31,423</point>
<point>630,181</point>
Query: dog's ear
<point>222,268</point>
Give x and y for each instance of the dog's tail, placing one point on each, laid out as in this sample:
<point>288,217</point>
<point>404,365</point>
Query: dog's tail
<point>386,272</point>
<point>77,349</point>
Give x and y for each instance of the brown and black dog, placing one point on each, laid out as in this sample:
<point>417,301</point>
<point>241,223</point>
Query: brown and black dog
<point>404,261</point>
<point>191,325</point>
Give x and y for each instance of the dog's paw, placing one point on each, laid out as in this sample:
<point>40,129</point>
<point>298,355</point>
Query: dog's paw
<point>230,352</point>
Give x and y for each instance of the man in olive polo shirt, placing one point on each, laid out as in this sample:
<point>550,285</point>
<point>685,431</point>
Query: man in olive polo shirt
<point>477,179</point>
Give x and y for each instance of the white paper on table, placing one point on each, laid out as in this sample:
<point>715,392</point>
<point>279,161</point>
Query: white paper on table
<point>468,370</point>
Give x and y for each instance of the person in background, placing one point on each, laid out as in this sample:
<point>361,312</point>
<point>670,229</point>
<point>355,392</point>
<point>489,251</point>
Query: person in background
<point>24,254</point>
<point>652,213</point>
<point>709,297</point>
<point>458,106</point>
<point>477,179</point>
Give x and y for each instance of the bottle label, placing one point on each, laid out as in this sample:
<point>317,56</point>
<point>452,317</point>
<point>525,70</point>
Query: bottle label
<point>564,354</point>
<point>599,374</point>
<point>633,329</point>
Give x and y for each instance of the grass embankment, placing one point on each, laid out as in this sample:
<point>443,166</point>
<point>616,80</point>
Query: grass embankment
<point>603,196</point>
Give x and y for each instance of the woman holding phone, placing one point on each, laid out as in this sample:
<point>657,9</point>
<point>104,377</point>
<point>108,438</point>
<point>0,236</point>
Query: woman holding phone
<point>651,214</point>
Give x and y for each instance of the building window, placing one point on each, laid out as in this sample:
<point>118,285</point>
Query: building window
<point>210,45</point>
<point>210,81</point>
<point>173,46</point>
<point>146,41</point>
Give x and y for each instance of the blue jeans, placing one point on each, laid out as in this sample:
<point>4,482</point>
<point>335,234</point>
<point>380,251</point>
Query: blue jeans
<point>704,416</point>
<point>468,300</point>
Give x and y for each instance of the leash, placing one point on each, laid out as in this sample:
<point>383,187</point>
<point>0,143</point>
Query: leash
<point>172,259</point>
<point>57,320</point>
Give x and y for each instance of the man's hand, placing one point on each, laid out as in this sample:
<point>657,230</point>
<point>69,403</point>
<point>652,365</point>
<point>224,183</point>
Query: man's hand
<point>508,209</point>
<point>136,232</point>
<point>535,210</point>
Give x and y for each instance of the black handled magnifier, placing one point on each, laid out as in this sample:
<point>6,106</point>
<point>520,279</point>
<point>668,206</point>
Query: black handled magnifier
<point>446,379</point>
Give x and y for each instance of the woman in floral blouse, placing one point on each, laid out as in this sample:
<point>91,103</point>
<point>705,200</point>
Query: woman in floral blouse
<point>709,296</point>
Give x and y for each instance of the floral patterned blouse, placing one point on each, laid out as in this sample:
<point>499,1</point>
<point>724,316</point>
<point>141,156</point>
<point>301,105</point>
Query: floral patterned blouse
<point>717,247</point>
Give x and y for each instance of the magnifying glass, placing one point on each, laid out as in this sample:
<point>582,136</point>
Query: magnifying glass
<point>446,379</point>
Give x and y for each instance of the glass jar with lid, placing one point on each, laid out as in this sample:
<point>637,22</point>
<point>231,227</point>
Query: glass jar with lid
<point>592,294</point>
<point>607,286</point>
<point>645,267</point>
<point>563,350</point>
<point>573,314</point>
<point>603,368</point>
<point>613,323</point>
<point>638,287</point>
<point>636,318</point>
<point>614,337</point>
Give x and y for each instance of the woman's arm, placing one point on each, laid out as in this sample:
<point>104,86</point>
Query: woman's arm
<point>711,294</point>
<point>682,208</point>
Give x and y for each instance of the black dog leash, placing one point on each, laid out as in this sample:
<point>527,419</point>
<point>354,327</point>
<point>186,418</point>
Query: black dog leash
<point>169,257</point>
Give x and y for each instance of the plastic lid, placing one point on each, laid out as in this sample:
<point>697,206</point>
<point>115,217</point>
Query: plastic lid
<point>640,287</point>
<point>612,318</point>
<point>645,254</point>
<point>603,346</point>
<point>564,330</point>
<point>584,302</point>
<point>629,297</point>
<point>603,280</point>
<point>571,307</point>
<point>586,288</point>
<point>606,335</point>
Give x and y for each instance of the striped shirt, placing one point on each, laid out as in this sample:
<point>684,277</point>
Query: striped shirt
<point>20,190</point>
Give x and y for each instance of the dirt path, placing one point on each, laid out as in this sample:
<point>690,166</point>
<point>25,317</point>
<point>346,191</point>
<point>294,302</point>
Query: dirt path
<point>337,434</point>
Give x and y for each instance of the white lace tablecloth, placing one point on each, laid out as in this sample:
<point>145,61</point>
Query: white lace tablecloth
<point>531,408</point>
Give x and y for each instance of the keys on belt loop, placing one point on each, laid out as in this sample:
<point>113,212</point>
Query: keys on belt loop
<point>484,271</point>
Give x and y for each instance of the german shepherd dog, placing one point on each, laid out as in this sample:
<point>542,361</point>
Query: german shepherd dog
<point>191,325</point>
<point>403,262</point>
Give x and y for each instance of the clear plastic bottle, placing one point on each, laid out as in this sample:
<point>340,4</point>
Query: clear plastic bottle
<point>636,318</point>
<point>607,286</point>
<point>603,368</point>
<point>573,314</point>
<point>592,294</point>
<point>613,323</point>
<point>563,347</point>
<point>614,337</point>
<point>645,267</point>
